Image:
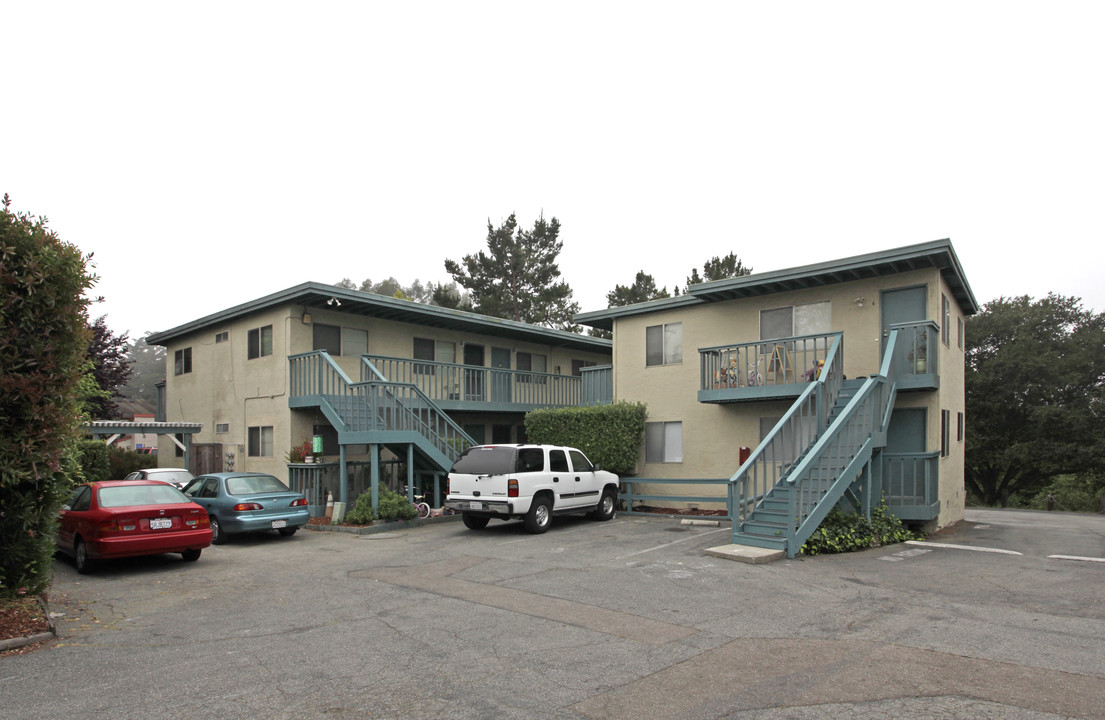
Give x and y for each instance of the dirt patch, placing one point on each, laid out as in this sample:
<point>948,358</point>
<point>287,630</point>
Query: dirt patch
<point>678,511</point>
<point>22,617</point>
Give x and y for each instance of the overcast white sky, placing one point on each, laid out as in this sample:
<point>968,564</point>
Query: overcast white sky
<point>210,153</point>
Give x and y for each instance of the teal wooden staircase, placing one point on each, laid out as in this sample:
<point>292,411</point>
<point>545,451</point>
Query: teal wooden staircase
<point>376,411</point>
<point>814,455</point>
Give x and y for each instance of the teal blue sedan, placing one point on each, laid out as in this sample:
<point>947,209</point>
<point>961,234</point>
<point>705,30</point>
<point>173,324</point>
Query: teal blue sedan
<point>247,502</point>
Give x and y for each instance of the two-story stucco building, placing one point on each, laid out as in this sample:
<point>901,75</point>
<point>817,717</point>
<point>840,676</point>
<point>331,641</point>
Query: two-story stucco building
<point>362,379</point>
<point>842,379</point>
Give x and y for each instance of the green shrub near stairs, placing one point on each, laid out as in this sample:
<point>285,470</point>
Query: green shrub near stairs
<point>393,506</point>
<point>362,512</point>
<point>842,532</point>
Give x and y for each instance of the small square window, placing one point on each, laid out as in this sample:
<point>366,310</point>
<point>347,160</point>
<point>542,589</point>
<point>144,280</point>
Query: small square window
<point>222,337</point>
<point>222,428</point>
<point>182,361</point>
<point>260,441</point>
<point>260,342</point>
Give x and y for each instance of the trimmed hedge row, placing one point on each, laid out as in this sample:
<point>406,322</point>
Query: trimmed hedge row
<point>609,435</point>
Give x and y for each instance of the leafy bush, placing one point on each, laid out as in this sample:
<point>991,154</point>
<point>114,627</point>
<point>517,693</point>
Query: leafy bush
<point>362,512</point>
<point>1071,493</point>
<point>43,342</point>
<point>842,532</point>
<point>394,506</point>
<point>92,456</point>
<point>609,435</point>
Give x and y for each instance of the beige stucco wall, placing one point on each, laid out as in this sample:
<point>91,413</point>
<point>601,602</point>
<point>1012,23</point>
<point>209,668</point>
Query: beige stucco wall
<point>713,434</point>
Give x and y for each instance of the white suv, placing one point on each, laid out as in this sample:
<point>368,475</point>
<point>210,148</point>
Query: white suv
<point>532,482</point>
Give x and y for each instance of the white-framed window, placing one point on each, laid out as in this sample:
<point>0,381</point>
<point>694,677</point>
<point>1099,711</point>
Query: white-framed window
<point>664,442</point>
<point>182,361</point>
<point>260,441</point>
<point>664,344</point>
<point>222,337</point>
<point>259,342</point>
<point>796,320</point>
<point>222,428</point>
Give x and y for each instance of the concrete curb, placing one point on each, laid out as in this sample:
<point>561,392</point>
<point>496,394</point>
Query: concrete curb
<point>19,642</point>
<point>379,527</point>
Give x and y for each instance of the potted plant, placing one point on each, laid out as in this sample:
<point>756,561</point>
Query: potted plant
<point>300,453</point>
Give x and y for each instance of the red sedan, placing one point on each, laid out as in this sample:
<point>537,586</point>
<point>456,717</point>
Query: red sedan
<point>124,518</point>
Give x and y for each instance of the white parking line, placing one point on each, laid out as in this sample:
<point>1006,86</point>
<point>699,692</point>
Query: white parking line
<point>696,536</point>
<point>962,547</point>
<point>1075,557</point>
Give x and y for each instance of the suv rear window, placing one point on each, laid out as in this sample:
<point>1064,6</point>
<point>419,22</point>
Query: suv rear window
<point>486,461</point>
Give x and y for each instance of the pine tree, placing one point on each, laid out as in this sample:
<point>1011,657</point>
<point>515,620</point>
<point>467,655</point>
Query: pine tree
<point>518,277</point>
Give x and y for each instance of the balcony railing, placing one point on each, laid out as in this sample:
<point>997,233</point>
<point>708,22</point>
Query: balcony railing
<point>453,385</point>
<point>782,361</point>
<point>909,484</point>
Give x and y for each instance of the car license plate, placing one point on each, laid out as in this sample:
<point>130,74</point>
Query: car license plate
<point>161,523</point>
<point>279,524</point>
<point>475,505</point>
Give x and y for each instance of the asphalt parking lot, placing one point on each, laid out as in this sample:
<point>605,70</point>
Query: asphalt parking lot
<point>622,619</point>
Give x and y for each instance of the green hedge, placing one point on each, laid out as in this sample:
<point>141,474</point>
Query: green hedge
<point>609,435</point>
<point>92,456</point>
<point>43,345</point>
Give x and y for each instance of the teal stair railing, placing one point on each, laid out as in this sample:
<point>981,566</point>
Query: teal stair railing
<point>375,405</point>
<point>817,450</point>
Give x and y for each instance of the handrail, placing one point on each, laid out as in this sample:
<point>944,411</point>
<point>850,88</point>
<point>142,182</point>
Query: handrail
<point>800,425</point>
<point>433,425</point>
<point>480,383</point>
<point>376,404</point>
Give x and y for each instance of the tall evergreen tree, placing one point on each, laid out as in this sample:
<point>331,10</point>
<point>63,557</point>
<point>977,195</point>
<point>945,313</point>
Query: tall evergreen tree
<point>718,268</point>
<point>643,289</point>
<point>518,277</point>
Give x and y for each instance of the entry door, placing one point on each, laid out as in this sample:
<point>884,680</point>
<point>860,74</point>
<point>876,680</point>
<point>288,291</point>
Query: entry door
<point>500,381</point>
<point>474,380</point>
<point>901,306</point>
<point>907,430</point>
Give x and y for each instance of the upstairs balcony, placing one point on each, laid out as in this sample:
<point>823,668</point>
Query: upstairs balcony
<point>479,388</point>
<point>782,367</point>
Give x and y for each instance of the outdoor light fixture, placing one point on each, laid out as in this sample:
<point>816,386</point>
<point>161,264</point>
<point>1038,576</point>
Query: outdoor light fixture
<point>334,301</point>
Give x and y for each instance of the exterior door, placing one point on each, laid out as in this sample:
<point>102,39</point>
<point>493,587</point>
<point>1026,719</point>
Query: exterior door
<point>907,431</point>
<point>474,380</point>
<point>901,306</point>
<point>500,381</point>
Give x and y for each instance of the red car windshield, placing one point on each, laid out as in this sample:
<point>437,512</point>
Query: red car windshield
<point>126,495</point>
